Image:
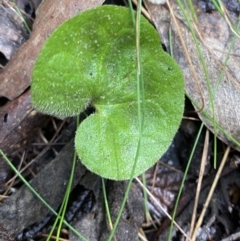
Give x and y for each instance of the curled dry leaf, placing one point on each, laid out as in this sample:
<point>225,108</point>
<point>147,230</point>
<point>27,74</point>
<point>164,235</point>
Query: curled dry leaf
<point>164,188</point>
<point>218,46</point>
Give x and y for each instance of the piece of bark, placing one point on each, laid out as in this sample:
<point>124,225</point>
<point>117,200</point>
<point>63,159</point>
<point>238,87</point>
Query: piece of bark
<point>28,7</point>
<point>94,226</point>
<point>12,31</point>
<point>23,209</point>
<point>4,174</point>
<point>4,235</point>
<point>133,213</point>
<point>19,123</point>
<point>49,16</point>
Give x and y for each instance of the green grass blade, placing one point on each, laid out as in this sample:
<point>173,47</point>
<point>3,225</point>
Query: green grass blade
<point>38,196</point>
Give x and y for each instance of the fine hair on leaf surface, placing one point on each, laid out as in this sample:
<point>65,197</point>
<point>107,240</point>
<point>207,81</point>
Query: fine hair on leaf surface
<point>91,58</point>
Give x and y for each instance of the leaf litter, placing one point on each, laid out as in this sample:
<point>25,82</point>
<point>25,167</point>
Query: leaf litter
<point>215,209</point>
<point>214,33</point>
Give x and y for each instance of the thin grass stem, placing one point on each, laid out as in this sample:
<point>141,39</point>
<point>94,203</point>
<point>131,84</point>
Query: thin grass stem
<point>39,197</point>
<point>140,99</point>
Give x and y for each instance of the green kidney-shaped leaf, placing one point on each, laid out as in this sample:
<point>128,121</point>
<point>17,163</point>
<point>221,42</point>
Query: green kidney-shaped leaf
<point>91,60</point>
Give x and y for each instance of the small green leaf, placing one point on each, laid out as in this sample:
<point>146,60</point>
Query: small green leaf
<point>91,60</point>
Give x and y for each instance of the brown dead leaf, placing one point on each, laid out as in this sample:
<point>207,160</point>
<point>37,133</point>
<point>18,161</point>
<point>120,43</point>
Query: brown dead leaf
<point>16,76</point>
<point>23,208</point>
<point>215,38</point>
<point>12,32</point>
<point>4,234</point>
<point>164,188</point>
<point>28,7</point>
<point>19,122</point>
<point>95,227</point>
<point>4,174</point>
